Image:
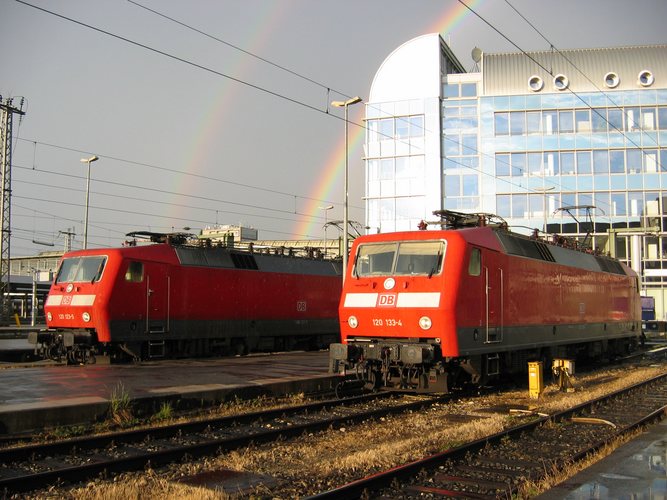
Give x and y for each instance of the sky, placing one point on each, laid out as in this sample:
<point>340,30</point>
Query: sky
<point>218,112</point>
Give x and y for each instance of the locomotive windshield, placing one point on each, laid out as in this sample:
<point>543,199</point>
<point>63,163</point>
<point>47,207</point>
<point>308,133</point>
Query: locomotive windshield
<point>399,258</point>
<point>76,269</point>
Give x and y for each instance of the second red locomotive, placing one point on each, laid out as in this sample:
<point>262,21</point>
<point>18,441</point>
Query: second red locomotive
<point>174,300</point>
<point>431,310</point>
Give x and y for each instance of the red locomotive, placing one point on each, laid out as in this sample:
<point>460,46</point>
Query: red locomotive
<point>432,310</point>
<point>171,299</point>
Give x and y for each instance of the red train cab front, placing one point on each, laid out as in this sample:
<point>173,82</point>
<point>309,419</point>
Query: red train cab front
<point>75,301</point>
<point>399,296</point>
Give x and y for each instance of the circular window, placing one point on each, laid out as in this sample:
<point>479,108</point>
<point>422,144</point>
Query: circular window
<point>611,80</point>
<point>561,82</point>
<point>535,83</point>
<point>645,78</point>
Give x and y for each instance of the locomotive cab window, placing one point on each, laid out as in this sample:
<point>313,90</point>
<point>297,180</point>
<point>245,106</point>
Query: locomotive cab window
<point>80,269</point>
<point>135,272</point>
<point>475,264</point>
<point>404,258</point>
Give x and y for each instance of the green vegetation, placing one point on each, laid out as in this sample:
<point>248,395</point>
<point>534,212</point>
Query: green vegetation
<point>121,407</point>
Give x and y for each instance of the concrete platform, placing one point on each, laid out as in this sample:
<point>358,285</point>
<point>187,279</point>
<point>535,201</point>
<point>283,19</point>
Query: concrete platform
<point>16,349</point>
<point>32,399</point>
<point>637,470</point>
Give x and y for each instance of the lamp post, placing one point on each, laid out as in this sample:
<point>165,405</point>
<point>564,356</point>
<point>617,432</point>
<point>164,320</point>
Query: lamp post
<point>85,223</point>
<point>345,104</point>
<point>326,209</point>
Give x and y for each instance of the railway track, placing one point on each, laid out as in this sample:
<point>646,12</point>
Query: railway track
<point>496,466</point>
<point>34,467</point>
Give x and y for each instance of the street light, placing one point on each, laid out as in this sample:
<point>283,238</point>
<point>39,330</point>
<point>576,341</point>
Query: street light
<point>345,104</point>
<point>85,223</point>
<point>326,209</point>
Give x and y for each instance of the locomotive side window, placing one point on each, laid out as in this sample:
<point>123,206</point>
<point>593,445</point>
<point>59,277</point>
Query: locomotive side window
<point>79,269</point>
<point>475,264</point>
<point>404,258</point>
<point>135,272</point>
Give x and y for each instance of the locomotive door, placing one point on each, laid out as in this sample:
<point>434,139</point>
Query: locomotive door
<point>158,286</point>
<point>494,304</point>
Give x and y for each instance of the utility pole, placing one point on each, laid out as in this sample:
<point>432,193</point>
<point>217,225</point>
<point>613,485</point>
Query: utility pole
<point>7,112</point>
<point>69,234</point>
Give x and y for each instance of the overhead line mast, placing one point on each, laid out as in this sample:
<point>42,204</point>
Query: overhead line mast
<point>7,111</point>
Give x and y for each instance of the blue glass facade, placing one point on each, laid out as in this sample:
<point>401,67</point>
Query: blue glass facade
<point>598,150</point>
<point>577,158</point>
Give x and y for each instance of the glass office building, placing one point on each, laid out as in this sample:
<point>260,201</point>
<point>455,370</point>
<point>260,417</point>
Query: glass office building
<point>570,142</point>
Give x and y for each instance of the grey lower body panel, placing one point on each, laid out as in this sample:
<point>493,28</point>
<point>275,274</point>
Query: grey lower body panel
<point>133,331</point>
<point>475,341</point>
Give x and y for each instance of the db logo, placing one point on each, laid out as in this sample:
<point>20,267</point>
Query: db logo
<point>301,306</point>
<point>67,300</point>
<point>387,300</point>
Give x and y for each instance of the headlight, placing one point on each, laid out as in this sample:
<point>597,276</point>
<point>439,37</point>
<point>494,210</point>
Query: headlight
<point>86,317</point>
<point>424,322</point>
<point>49,316</point>
<point>352,321</point>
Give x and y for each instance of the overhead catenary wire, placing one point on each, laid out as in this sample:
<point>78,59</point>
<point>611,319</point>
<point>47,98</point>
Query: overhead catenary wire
<point>550,72</point>
<point>170,204</point>
<point>172,170</point>
<point>260,58</point>
<point>162,191</point>
<point>564,56</point>
<point>193,64</point>
<point>266,90</point>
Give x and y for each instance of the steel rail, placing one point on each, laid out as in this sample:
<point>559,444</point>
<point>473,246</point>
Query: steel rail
<point>34,481</point>
<point>383,479</point>
<point>167,431</point>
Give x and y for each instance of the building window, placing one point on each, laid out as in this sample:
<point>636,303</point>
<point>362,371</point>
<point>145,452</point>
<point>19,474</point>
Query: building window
<point>550,122</point>
<point>611,80</point>
<point>468,90</point>
<point>565,122</point>
<point>633,161</point>
<point>662,118</point>
<point>503,205</point>
<point>645,78</point>
<point>583,120</point>
<point>517,123</point>
<point>584,162</point>
<point>650,160</point>
<point>502,165</point>
<point>615,119</point>
<point>535,83</point>
<point>520,206</point>
<point>617,162</point>
<point>534,122</point>
<point>567,163</point>
<point>453,90</point>
<point>535,163</point>
<point>561,82</point>
<point>518,164</point>
<point>648,119</point>
<point>601,162</point>
<point>502,123</point>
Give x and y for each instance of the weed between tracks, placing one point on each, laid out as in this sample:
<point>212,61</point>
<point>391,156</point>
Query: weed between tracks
<point>121,407</point>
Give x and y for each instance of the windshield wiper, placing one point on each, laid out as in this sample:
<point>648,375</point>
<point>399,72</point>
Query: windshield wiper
<point>437,264</point>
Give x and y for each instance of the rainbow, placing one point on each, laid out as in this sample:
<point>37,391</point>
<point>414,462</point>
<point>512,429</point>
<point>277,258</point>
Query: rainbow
<point>329,185</point>
<point>208,132</point>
